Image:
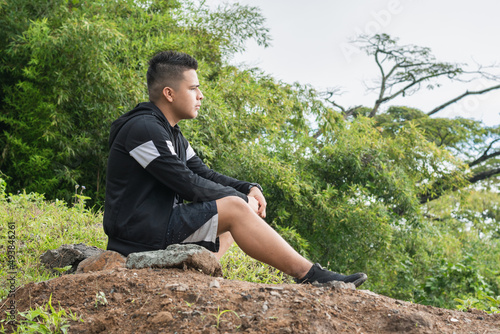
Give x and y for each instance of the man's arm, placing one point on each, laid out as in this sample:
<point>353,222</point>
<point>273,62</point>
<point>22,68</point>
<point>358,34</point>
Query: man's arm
<point>151,146</point>
<point>253,190</point>
<point>195,164</point>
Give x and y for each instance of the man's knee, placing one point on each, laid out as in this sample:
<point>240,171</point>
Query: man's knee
<point>231,203</point>
<point>232,206</point>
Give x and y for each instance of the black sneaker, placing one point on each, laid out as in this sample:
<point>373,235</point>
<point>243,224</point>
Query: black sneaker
<point>320,275</point>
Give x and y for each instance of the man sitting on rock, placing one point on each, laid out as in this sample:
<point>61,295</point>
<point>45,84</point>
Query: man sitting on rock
<point>152,169</point>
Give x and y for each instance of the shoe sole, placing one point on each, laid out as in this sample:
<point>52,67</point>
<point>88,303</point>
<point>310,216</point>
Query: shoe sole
<point>360,280</point>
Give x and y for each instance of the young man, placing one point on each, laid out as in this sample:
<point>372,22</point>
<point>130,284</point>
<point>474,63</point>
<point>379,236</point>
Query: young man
<point>152,169</point>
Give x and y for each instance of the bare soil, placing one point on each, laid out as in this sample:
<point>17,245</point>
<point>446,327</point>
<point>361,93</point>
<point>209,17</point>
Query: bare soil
<point>187,301</point>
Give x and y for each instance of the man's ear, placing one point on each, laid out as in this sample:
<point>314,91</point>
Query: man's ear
<point>168,93</point>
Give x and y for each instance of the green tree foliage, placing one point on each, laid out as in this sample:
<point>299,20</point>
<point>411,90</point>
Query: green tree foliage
<point>475,144</point>
<point>69,68</point>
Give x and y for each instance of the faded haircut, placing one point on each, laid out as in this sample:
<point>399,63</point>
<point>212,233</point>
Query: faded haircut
<point>166,69</point>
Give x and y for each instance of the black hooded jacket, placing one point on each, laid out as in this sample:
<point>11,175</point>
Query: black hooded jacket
<point>152,168</point>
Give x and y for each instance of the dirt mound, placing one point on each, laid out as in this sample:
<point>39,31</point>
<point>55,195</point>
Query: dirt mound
<point>177,301</point>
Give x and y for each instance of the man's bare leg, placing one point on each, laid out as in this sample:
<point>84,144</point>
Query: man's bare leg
<point>225,242</point>
<point>257,239</point>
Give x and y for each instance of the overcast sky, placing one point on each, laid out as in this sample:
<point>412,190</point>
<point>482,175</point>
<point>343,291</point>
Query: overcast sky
<point>311,46</point>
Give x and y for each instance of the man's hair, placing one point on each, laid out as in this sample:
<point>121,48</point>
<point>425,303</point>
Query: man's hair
<point>166,69</point>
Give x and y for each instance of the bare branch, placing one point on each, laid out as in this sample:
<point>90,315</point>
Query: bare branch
<point>484,175</point>
<point>485,156</point>
<point>458,98</point>
<point>473,179</point>
<point>351,111</point>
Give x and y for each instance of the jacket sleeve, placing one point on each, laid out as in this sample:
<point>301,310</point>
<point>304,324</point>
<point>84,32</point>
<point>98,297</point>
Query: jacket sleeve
<point>195,164</point>
<point>149,143</point>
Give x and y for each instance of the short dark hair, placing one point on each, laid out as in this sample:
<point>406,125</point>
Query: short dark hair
<point>166,69</point>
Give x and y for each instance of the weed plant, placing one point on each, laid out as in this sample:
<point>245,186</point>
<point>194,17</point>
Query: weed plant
<point>236,265</point>
<point>44,319</point>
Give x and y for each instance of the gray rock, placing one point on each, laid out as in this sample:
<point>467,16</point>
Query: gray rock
<point>214,284</point>
<point>68,255</point>
<point>177,256</point>
<point>337,285</point>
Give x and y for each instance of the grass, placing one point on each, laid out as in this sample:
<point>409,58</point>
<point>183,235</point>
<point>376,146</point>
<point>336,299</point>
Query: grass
<point>38,226</point>
<point>236,265</point>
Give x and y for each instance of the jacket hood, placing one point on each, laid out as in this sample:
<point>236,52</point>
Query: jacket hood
<point>144,108</point>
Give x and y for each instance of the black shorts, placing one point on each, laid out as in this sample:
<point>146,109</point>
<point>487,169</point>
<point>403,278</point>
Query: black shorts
<point>194,223</point>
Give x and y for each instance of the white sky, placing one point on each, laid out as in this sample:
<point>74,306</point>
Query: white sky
<point>310,46</point>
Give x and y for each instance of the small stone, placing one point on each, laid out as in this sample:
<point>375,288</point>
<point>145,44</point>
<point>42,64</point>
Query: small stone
<point>247,297</point>
<point>214,284</point>
<point>265,307</point>
<point>118,297</point>
<point>453,320</point>
<point>177,287</point>
<point>103,261</point>
<point>182,287</point>
<point>337,285</point>
<point>262,289</point>
<point>162,317</point>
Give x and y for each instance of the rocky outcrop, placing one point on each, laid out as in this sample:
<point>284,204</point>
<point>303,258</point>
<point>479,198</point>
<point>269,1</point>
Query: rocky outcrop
<point>104,261</point>
<point>84,259</point>
<point>177,256</point>
<point>68,255</point>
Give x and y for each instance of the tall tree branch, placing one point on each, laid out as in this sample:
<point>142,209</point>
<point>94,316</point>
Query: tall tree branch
<point>473,179</point>
<point>485,156</point>
<point>458,98</point>
<point>484,175</point>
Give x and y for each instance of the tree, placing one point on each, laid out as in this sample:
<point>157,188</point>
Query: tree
<point>476,144</point>
<point>405,69</point>
<point>69,68</point>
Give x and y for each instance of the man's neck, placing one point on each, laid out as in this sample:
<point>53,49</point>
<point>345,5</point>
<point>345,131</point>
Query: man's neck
<point>165,110</point>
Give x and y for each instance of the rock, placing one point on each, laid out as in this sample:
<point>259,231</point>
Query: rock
<point>337,285</point>
<point>163,317</point>
<point>177,287</point>
<point>102,261</point>
<point>265,307</point>
<point>177,256</point>
<point>407,322</point>
<point>68,255</point>
<point>214,284</point>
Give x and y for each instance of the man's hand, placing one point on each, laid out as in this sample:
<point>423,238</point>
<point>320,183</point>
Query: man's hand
<point>256,194</point>
<point>253,204</point>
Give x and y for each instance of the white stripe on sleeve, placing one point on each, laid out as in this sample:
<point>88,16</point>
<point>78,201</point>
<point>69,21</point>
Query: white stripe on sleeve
<point>145,153</point>
<point>171,147</point>
<point>189,152</point>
